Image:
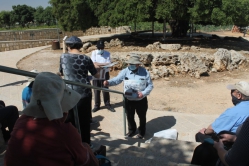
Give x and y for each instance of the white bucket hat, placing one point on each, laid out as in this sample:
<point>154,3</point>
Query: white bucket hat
<point>134,59</point>
<point>50,97</point>
<point>241,86</point>
<point>31,79</point>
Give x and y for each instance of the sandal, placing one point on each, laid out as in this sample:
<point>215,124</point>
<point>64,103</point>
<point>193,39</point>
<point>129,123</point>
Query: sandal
<point>138,136</point>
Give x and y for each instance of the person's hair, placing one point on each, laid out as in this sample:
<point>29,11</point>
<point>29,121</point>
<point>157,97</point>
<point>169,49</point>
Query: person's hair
<point>74,45</point>
<point>245,98</point>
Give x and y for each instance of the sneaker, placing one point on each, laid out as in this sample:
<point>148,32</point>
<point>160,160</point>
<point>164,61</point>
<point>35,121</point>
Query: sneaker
<point>111,109</point>
<point>95,109</point>
<point>130,134</point>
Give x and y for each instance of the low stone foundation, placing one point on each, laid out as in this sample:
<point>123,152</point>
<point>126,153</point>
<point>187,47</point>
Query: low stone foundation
<point>22,44</point>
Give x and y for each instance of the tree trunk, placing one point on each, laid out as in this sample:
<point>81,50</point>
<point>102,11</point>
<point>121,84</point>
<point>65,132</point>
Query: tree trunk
<point>152,28</point>
<point>179,28</point>
<point>164,29</point>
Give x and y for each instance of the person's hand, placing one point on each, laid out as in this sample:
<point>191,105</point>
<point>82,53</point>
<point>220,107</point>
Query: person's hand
<point>218,145</point>
<point>106,83</point>
<point>228,137</point>
<point>140,94</point>
<point>97,66</point>
<point>202,130</point>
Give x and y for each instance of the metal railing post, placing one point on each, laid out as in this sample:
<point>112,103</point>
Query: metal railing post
<point>76,119</point>
<point>124,115</point>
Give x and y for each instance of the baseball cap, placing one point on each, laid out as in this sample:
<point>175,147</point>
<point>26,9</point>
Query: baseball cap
<point>241,86</point>
<point>73,40</point>
<point>100,44</point>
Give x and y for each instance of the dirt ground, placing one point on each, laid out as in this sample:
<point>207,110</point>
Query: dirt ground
<point>207,95</point>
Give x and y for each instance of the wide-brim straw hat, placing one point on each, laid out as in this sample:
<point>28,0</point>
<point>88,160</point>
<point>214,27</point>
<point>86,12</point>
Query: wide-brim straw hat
<point>50,97</point>
<point>134,59</point>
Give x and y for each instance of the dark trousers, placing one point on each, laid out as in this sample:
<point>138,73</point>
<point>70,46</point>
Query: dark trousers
<point>199,137</point>
<point>84,112</point>
<point>205,155</point>
<point>8,117</point>
<point>140,107</point>
<point>106,95</point>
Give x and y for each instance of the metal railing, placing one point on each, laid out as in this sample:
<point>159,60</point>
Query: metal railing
<point>33,75</point>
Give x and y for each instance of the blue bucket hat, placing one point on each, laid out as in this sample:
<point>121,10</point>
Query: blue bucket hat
<point>73,40</point>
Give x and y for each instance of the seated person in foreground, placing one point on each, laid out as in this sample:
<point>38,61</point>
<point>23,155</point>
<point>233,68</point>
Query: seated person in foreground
<point>233,117</point>
<point>238,154</point>
<point>8,117</point>
<point>40,136</point>
<point>225,126</point>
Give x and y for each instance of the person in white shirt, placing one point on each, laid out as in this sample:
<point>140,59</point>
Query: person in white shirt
<point>100,58</point>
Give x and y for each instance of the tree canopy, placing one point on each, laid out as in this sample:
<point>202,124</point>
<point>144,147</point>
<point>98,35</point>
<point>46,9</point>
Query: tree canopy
<point>22,14</point>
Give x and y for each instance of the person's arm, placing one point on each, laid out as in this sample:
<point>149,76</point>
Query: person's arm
<point>60,73</point>
<point>116,80</point>
<point>149,87</point>
<point>238,155</point>
<point>92,69</point>
<point>219,146</point>
<point>81,152</point>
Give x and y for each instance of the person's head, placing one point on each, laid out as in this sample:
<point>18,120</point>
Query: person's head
<point>73,42</point>
<point>134,62</point>
<point>50,97</point>
<point>31,79</point>
<point>239,91</point>
<point>100,47</point>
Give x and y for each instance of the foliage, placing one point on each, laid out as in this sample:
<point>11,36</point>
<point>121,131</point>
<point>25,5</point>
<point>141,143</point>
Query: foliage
<point>73,14</point>
<point>44,16</point>
<point>5,18</point>
<point>22,14</point>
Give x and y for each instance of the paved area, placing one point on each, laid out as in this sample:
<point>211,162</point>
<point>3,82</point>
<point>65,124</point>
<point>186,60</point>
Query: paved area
<point>109,124</point>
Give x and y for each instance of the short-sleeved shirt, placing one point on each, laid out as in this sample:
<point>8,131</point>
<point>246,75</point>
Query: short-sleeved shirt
<point>232,118</point>
<point>26,95</point>
<point>75,68</point>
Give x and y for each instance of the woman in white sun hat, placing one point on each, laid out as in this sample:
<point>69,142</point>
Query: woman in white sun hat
<point>40,136</point>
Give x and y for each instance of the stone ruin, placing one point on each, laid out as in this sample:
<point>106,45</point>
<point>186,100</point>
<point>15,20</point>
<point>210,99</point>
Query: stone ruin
<point>166,64</point>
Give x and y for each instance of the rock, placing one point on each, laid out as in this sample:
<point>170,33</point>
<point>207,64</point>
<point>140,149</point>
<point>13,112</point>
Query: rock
<point>116,42</point>
<point>237,59</point>
<point>185,48</point>
<point>171,47</point>
<point>87,45</point>
<point>166,78</point>
<point>162,59</point>
<point>90,49</point>
<point>192,65</point>
<point>194,48</point>
<point>150,47</point>
<point>222,59</point>
<point>214,70</point>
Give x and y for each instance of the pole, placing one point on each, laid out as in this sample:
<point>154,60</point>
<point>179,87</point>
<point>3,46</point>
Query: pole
<point>124,115</point>
<point>76,119</point>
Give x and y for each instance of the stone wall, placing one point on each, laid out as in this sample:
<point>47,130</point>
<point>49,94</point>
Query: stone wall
<point>52,33</point>
<point>22,44</point>
<point>13,40</point>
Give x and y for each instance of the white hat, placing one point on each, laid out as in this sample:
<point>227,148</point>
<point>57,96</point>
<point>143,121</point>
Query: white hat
<point>31,79</point>
<point>50,97</point>
<point>241,86</point>
<point>134,59</point>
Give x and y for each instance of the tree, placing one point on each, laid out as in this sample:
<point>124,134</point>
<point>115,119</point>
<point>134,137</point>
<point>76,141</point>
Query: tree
<point>48,16</point>
<point>73,14</point>
<point>5,18</point>
<point>22,14</point>
<point>38,15</point>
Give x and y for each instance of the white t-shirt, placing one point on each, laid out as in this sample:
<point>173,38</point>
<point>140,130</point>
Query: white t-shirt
<point>101,58</point>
